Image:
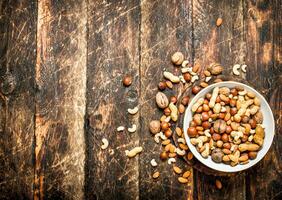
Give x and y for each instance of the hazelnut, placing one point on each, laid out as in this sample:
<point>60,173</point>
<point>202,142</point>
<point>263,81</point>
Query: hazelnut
<point>164,126</point>
<point>181,108</point>
<point>187,77</point>
<point>168,133</point>
<point>205,116</point>
<point>233,111</point>
<point>219,143</point>
<point>224,137</point>
<point>252,155</point>
<point>167,111</point>
<point>208,96</point>
<point>196,89</point>
<point>200,109</point>
<point>173,99</point>
<point>198,119</point>
<point>221,115</point>
<point>228,129</point>
<point>211,130</point>
<point>192,124</point>
<point>218,23</point>
<point>127,80</point>
<point>177,58</point>
<point>185,100</point>
<point>244,138</point>
<point>226,145</point>
<point>206,125</point>
<point>218,100</point>
<point>232,102</point>
<point>206,107</point>
<point>192,132</point>
<point>162,85</point>
<point>163,155</point>
<point>234,92</point>
<point>216,137</point>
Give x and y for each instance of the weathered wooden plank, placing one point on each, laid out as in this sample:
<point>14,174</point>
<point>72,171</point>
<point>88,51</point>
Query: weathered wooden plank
<point>17,60</point>
<point>226,45</point>
<point>60,100</point>
<point>165,28</point>
<point>263,25</point>
<point>113,52</point>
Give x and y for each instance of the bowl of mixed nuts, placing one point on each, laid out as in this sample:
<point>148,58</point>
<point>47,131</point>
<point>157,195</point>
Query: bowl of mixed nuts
<point>229,126</point>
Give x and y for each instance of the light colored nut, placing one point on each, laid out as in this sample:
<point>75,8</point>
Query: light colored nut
<point>250,138</point>
<point>185,63</point>
<point>235,69</point>
<point>224,91</point>
<point>254,109</point>
<point>162,136</point>
<point>208,78</point>
<point>171,77</point>
<point>156,175</point>
<point>248,147</point>
<point>186,69</point>
<point>166,142</point>
<point>194,78</point>
<point>182,180</point>
<point>178,131</point>
<point>120,128</point>
<point>197,104</point>
<point>214,96</point>
<point>182,79</point>
<point>199,141</point>
<point>132,111</point>
<point>180,152</point>
<point>162,100</point>
<point>132,153</point>
<point>169,84</point>
<point>215,68</point>
<point>251,94</point>
<point>132,129</point>
<point>171,160</point>
<point>243,92</point>
<point>259,135</point>
<point>206,152</point>
<point>105,143</point>
<point>177,58</point>
<point>256,101</point>
<point>181,140</point>
<point>154,163</point>
<point>243,67</point>
<point>258,117</point>
<point>174,112</point>
<point>177,170</point>
<point>155,126</point>
<point>217,108</point>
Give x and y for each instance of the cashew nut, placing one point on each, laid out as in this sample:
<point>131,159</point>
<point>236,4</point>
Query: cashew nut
<point>185,63</point>
<point>207,133</point>
<point>186,69</point>
<point>105,143</point>
<point>157,137</point>
<point>206,152</point>
<point>197,104</point>
<point>182,79</point>
<point>194,78</point>
<point>174,112</point>
<point>235,157</point>
<point>154,163</point>
<point>235,69</point>
<point>162,136</point>
<point>132,111</point>
<point>180,152</point>
<point>171,77</point>
<point>132,129</point>
<point>120,128</point>
<point>133,152</point>
<point>181,140</point>
<point>243,67</point>
<point>199,141</point>
<point>171,160</point>
<point>236,135</point>
<point>213,97</point>
<point>208,78</point>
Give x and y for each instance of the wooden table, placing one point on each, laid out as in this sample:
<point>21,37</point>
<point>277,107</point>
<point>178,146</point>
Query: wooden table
<point>61,66</point>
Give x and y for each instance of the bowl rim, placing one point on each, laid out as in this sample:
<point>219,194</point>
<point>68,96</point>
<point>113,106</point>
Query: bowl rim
<point>197,154</point>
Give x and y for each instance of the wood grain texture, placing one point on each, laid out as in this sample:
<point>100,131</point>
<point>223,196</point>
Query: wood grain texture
<point>226,45</point>
<point>165,28</point>
<point>113,52</point>
<point>17,60</point>
<point>60,99</point>
<point>264,47</point>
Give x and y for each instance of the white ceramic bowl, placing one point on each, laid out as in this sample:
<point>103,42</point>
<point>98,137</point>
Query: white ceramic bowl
<point>268,123</point>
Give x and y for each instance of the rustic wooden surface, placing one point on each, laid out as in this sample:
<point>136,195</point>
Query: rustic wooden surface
<point>61,66</point>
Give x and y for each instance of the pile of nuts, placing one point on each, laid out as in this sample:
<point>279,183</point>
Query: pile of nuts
<point>227,125</point>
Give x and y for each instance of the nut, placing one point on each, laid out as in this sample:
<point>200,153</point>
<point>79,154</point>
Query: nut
<point>120,128</point>
<point>185,63</point>
<point>187,77</point>
<point>259,135</point>
<point>105,143</point>
<point>171,77</point>
<point>197,104</point>
<point>173,99</point>
<point>185,100</point>
<point>196,89</point>
<point>162,100</point>
<point>217,155</point>
<point>177,170</point>
<point>163,155</point>
<point>178,131</point>
<point>155,126</point>
<point>219,126</point>
<point>153,163</point>
<point>219,21</point>
<point>243,67</point>
<point>182,180</point>
<point>171,160</point>
<point>186,174</point>
<point>215,68</point>
<point>235,69</point>
<point>213,97</point>
<point>132,129</point>
<point>127,80</point>
<point>194,78</point>
<point>174,112</point>
<point>162,85</point>
<point>248,147</point>
<point>132,111</point>
<point>132,153</point>
<point>169,84</point>
<point>177,58</point>
<point>156,175</point>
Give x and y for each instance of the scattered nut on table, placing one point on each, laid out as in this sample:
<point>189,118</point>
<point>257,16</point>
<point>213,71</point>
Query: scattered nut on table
<point>132,111</point>
<point>105,143</point>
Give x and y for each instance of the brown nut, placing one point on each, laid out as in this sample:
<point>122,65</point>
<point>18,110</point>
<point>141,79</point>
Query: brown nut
<point>216,137</point>
<point>207,73</point>
<point>163,155</point>
<point>196,89</point>
<point>224,137</point>
<point>205,116</point>
<point>206,125</point>
<point>252,155</point>
<point>162,85</point>
<point>200,109</point>
<point>204,84</point>
<point>155,126</point>
<point>226,145</point>
<point>217,155</point>
<point>181,108</point>
<point>164,126</point>
<point>208,96</point>
<point>206,107</point>
<point>173,99</point>
<point>187,77</point>
<point>192,132</point>
<point>226,151</point>
<point>185,100</point>
<point>228,129</point>
<point>234,92</point>
<point>177,58</point>
<point>233,111</point>
<point>193,124</point>
<point>218,184</point>
<point>245,119</point>
<point>218,23</point>
<point>253,123</point>
<point>168,133</point>
<point>127,80</point>
<point>198,119</point>
<point>167,111</point>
